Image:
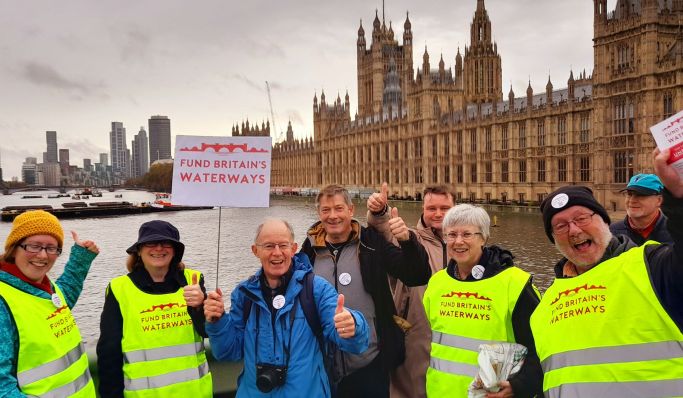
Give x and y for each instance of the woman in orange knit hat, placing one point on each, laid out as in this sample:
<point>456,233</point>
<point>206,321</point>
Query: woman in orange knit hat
<point>41,353</point>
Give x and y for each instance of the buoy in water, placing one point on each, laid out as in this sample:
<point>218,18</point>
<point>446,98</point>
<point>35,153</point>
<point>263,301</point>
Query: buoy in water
<point>495,221</point>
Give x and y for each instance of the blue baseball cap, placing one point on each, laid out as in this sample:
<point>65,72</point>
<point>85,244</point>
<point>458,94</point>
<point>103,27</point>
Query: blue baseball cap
<point>645,184</point>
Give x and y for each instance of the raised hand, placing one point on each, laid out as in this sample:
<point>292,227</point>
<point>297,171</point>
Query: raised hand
<point>88,244</point>
<point>193,294</point>
<point>667,173</point>
<point>378,200</point>
<point>343,320</point>
<point>398,227</point>
<point>213,306</point>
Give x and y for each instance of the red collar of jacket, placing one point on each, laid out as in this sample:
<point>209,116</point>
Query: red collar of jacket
<point>12,269</point>
<point>645,232</point>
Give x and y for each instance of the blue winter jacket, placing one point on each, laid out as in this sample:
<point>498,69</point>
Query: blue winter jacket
<point>71,284</point>
<point>306,376</point>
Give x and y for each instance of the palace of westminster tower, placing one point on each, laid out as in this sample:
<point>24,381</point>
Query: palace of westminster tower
<point>438,125</point>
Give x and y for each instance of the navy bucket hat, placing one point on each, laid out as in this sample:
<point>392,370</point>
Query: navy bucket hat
<point>157,231</point>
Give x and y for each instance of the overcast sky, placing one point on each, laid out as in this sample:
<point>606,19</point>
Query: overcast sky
<point>76,66</point>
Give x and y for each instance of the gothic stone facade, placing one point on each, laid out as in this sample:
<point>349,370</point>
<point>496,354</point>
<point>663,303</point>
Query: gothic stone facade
<point>454,127</point>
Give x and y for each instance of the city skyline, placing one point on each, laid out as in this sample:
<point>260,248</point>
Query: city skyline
<point>209,72</point>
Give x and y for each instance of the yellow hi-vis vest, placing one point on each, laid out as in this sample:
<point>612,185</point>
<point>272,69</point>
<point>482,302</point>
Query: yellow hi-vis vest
<point>463,315</point>
<point>163,356</point>
<point>605,334</point>
<point>51,361</point>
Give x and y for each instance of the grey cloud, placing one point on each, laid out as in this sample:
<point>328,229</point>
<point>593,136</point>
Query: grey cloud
<point>136,44</point>
<point>83,147</point>
<point>7,152</point>
<point>250,83</point>
<point>45,75</point>
<point>275,85</point>
<point>261,49</point>
<point>295,116</point>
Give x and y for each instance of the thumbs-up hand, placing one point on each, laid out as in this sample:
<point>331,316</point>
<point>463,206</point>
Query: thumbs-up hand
<point>88,244</point>
<point>213,306</point>
<point>193,294</point>
<point>343,320</point>
<point>398,227</point>
<point>378,200</point>
<point>340,305</point>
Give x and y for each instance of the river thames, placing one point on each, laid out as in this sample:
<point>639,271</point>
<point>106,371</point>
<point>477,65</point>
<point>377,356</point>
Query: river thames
<point>519,229</point>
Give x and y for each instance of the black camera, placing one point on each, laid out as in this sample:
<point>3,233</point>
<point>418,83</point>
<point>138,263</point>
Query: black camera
<point>270,376</point>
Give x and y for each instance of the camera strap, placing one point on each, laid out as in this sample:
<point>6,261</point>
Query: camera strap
<point>285,347</point>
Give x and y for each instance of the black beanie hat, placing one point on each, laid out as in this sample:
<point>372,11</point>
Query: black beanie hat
<point>566,197</point>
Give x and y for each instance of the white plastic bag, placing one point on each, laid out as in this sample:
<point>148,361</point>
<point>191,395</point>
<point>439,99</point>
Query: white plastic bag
<point>496,363</point>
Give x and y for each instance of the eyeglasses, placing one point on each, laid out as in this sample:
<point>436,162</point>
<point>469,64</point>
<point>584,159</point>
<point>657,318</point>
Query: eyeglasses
<point>634,195</point>
<point>580,221</point>
<point>164,244</point>
<point>466,236</point>
<point>271,246</point>
<point>35,249</point>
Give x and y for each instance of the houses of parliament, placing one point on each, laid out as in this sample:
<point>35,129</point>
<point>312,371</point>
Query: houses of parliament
<point>437,125</point>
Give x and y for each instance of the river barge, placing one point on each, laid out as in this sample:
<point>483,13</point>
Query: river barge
<point>104,209</point>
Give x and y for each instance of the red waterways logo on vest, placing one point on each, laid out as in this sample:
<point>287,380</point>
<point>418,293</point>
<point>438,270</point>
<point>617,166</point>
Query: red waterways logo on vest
<point>579,301</point>
<point>164,316</point>
<point>61,321</point>
<point>468,305</point>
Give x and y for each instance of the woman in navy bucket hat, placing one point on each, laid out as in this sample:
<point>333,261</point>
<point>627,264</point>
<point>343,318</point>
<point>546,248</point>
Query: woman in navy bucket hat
<point>158,231</point>
<point>152,325</point>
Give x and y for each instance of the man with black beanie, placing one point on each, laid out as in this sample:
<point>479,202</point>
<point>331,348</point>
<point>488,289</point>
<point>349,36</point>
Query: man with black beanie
<point>611,324</point>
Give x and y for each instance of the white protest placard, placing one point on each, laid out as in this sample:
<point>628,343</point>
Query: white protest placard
<point>668,134</point>
<point>222,171</point>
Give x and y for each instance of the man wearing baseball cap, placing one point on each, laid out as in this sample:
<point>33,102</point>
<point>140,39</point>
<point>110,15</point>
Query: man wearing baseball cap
<point>644,219</point>
<point>611,323</point>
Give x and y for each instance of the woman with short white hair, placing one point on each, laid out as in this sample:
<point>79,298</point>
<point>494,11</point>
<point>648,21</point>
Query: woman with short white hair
<point>480,298</point>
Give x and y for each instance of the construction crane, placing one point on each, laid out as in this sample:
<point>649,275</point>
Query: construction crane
<point>278,135</point>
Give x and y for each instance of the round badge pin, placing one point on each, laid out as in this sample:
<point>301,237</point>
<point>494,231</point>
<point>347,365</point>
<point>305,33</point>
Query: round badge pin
<point>559,201</point>
<point>56,300</point>
<point>278,301</point>
<point>345,278</point>
<point>477,271</point>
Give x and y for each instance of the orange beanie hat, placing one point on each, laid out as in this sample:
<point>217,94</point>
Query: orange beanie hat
<point>34,222</point>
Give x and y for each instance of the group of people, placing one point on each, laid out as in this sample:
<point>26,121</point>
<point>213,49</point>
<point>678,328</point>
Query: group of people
<point>152,328</point>
<point>366,311</point>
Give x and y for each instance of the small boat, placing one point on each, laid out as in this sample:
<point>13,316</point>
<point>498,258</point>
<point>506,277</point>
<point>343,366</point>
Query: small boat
<point>118,195</point>
<point>68,205</point>
<point>31,207</point>
<point>81,210</point>
<point>161,203</point>
<point>110,204</point>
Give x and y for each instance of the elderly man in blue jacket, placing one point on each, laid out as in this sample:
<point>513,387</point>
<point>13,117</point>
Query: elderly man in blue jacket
<point>267,326</point>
